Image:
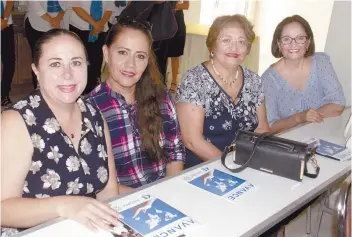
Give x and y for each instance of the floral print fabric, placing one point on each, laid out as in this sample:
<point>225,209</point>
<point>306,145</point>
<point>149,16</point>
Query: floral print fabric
<point>56,168</point>
<point>223,118</point>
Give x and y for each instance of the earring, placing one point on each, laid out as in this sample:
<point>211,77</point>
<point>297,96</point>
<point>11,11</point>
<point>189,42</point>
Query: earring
<point>212,54</point>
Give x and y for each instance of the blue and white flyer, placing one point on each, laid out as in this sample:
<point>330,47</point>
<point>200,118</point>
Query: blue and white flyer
<point>329,149</point>
<point>219,183</point>
<point>149,216</point>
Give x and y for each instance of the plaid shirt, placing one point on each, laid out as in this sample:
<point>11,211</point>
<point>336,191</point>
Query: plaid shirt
<point>133,166</point>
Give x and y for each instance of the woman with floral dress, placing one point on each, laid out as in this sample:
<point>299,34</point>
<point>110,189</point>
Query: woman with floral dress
<point>219,97</point>
<point>56,149</point>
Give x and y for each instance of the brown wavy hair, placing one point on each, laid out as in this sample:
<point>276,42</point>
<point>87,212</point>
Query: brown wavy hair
<point>278,31</point>
<point>221,21</point>
<point>149,94</point>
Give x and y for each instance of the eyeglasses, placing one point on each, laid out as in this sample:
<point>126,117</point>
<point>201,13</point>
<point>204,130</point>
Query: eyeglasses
<point>301,39</point>
<point>228,41</point>
<point>129,21</point>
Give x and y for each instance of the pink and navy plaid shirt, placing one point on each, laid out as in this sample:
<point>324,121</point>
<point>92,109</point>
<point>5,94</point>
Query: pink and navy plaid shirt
<point>133,166</point>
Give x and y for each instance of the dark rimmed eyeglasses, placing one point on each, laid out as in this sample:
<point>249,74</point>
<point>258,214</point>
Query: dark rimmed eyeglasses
<point>129,21</point>
<point>301,39</point>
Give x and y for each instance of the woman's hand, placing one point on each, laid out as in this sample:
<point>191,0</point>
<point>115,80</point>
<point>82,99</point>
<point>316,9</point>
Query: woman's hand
<point>90,213</point>
<point>56,22</point>
<point>311,115</point>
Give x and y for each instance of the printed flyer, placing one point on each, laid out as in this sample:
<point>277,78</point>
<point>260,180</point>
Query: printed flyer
<point>148,216</point>
<point>329,149</point>
<point>219,183</point>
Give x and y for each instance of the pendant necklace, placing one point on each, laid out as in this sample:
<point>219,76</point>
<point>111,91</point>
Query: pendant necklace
<point>222,78</point>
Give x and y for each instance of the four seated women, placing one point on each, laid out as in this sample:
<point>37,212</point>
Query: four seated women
<point>71,160</point>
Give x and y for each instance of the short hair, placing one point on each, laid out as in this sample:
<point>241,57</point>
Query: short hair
<point>221,21</point>
<point>278,31</point>
<point>48,36</point>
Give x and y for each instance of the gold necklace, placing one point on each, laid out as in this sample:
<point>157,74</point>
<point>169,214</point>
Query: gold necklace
<point>221,77</point>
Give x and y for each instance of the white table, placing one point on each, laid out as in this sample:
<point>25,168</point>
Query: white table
<point>274,199</point>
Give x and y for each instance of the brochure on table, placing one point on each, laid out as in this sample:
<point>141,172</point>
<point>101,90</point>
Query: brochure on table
<point>149,216</point>
<point>219,183</point>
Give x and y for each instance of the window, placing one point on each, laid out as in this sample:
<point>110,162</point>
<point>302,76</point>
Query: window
<point>210,9</point>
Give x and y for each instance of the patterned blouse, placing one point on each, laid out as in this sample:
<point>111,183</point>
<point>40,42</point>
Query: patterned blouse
<point>133,165</point>
<point>57,169</point>
<point>222,118</point>
<point>283,100</point>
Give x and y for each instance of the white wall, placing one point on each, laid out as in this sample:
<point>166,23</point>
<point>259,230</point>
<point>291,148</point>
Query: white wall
<point>192,15</point>
<point>338,44</point>
<point>269,13</point>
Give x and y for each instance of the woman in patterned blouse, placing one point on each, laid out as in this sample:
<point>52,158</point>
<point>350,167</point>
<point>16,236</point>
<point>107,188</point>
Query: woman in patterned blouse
<point>55,149</point>
<point>302,86</point>
<point>139,111</point>
<point>219,97</point>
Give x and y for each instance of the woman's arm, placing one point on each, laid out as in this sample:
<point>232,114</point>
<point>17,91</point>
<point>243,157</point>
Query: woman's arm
<point>333,100</point>
<point>37,8</point>
<point>18,212</point>
<point>105,18</point>
<point>174,167</point>
<point>294,120</point>
<point>284,124</point>
<point>191,119</point>
<point>173,146</point>
<point>263,125</point>
<point>182,6</point>
<point>56,21</point>
<point>7,13</point>
<point>331,110</point>
<point>86,17</point>
<point>111,189</point>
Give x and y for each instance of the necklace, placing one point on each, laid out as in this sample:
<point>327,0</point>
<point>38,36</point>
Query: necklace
<point>72,135</point>
<point>222,78</point>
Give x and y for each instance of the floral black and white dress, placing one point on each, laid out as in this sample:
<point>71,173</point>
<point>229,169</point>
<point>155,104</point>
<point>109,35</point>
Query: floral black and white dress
<point>57,169</point>
<point>223,118</point>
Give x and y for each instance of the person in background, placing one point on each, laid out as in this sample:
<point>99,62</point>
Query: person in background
<point>302,86</point>
<point>219,97</point>
<point>7,51</point>
<point>89,21</point>
<point>177,43</point>
<point>119,7</point>
<point>41,16</point>
<point>140,113</point>
<point>65,166</point>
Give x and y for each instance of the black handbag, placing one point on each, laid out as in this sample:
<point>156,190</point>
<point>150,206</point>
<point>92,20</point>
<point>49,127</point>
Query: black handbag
<point>272,154</point>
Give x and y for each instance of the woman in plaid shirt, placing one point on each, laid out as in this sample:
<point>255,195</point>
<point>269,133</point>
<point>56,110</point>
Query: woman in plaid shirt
<point>140,113</point>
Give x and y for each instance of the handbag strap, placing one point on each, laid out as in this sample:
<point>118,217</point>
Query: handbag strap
<point>316,167</point>
<point>246,164</point>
